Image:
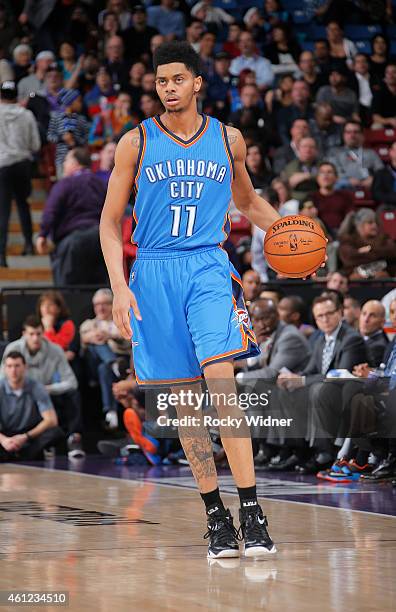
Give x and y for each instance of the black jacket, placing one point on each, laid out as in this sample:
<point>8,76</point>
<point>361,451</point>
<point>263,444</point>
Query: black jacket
<point>376,346</point>
<point>383,188</point>
<point>349,350</point>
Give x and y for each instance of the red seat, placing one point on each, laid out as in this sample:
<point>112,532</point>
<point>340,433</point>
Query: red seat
<point>240,226</point>
<point>388,219</point>
<point>377,137</point>
<point>383,151</point>
<point>362,197</point>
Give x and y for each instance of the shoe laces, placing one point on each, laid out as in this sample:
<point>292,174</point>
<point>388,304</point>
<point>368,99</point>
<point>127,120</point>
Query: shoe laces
<point>250,523</point>
<point>221,528</point>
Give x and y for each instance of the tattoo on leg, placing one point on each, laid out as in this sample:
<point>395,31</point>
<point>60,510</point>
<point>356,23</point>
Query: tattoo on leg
<point>198,448</point>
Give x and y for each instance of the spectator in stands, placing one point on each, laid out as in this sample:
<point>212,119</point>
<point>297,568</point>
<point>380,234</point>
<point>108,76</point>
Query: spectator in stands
<point>289,151</point>
<point>67,61</point>
<point>111,27</point>
<point>85,79</point>
<point>310,73</point>
<point>379,57</point>
<point>333,205</point>
<point>280,96</point>
<point>219,85</point>
<point>166,19</point>
<point>42,105</point>
<point>115,62</point>
<point>211,15</point>
<point>384,104</point>
<point>371,324</point>
<point>324,130</point>
<point>55,318</point>
<point>301,173</point>
<point>342,50</point>
<point>137,37</point>
<point>34,83</point>
<point>287,204</point>
<point>283,52</point>
<point>355,164</point>
<point>104,346</point>
<point>22,59</point>
<point>338,347</point>
<point>307,208</point>
<point>365,251</point>
<point>106,161</point>
<point>351,311</point>
<point>19,139</point>
<point>384,182</point>
<point>47,364</point>
<point>341,98</point>
<point>194,32</point>
<point>251,284</point>
<point>251,116</point>
<point>259,262</point>
<point>134,87</point>
<point>250,59</point>
<point>274,14</point>
<point>28,420</point>
<point>281,344</point>
<point>120,8</point>
<point>67,128</point>
<point>301,108</point>
<point>337,281</point>
<point>206,53</point>
<point>102,90</point>
<point>364,86</point>
<point>292,310</point>
<point>322,56</point>
<point>150,105</point>
<point>256,166</point>
<point>71,217</point>
<point>8,30</point>
<point>111,121</point>
<point>231,45</point>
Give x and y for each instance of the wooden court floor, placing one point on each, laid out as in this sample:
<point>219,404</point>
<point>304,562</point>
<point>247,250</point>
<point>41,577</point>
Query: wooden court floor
<point>118,545</point>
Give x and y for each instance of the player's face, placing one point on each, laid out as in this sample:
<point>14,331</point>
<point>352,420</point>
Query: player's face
<point>176,86</point>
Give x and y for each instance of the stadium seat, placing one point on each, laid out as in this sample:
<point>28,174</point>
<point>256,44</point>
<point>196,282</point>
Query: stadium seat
<point>377,137</point>
<point>383,151</point>
<point>291,5</point>
<point>363,46</point>
<point>393,47</point>
<point>240,226</point>
<point>362,32</point>
<point>307,45</point>
<point>316,32</point>
<point>299,17</point>
<point>391,31</point>
<point>388,219</point>
<point>362,198</point>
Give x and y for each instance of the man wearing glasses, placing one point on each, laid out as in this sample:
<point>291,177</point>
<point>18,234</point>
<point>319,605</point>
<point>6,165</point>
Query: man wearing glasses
<point>313,402</point>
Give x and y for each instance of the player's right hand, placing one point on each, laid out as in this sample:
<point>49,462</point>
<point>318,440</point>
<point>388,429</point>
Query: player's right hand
<point>124,300</point>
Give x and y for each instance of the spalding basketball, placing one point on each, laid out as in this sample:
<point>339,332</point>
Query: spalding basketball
<point>295,246</point>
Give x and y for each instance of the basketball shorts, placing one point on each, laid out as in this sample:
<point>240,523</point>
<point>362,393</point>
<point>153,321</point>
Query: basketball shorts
<point>193,314</point>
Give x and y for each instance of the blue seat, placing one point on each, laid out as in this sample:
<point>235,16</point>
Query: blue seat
<point>393,47</point>
<point>299,17</point>
<point>362,32</point>
<point>316,31</point>
<point>307,45</point>
<point>391,30</point>
<point>363,46</point>
<point>291,5</point>
<point>226,4</point>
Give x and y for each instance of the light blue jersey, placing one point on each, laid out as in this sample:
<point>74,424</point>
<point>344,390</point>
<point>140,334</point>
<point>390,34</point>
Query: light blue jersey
<point>183,188</point>
<point>189,294</point>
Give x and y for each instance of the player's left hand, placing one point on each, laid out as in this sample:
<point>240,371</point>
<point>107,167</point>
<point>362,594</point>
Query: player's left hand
<point>124,300</point>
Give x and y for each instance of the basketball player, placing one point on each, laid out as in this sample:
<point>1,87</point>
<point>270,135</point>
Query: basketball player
<point>189,317</point>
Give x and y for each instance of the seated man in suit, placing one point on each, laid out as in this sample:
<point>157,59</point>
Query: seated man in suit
<point>371,323</point>
<point>315,405</point>
<point>282,345</point>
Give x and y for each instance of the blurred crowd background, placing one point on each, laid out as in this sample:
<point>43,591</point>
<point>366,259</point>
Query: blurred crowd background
<point>311,84</point>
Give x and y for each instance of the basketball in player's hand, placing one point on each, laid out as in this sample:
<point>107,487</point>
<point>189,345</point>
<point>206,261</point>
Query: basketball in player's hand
<point>295,246</point>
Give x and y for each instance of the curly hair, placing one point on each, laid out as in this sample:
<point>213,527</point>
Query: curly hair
<point>177,51</point>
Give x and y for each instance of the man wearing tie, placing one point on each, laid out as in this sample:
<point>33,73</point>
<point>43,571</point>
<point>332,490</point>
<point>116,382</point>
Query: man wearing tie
<point>316,404</point>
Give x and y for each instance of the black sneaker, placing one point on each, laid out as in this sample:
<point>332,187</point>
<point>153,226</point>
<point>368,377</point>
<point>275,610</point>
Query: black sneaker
<point>254,531</point>
<point>223,540</point>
